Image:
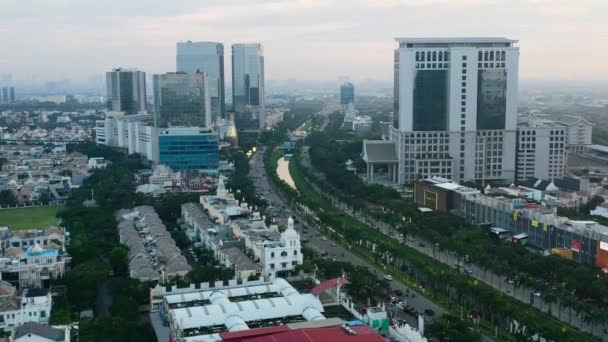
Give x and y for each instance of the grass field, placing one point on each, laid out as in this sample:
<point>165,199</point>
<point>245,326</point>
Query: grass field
<point>26,218</point>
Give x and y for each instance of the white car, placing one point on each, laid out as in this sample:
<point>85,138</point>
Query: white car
<point>388,277</point>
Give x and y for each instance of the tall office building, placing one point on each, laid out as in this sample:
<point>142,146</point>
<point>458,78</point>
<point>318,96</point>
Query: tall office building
<point>455,110</point>
<point>205,57</point>
<point>248,80</point>
<point>181,100</point>
<point>347,93</point>
<point>7,95</point>
<point>126,91</point>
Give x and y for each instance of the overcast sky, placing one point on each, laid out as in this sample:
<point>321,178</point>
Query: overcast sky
<point>305,39</point>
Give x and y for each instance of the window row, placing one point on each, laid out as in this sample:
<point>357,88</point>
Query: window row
<point>432,56</point>
<point>492,56</point>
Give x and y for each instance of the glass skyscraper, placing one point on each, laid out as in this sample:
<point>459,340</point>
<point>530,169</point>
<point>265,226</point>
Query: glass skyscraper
<point>248,80</point>
<point>181,100</point>
<point>126,91</point>
<point>205,57</point>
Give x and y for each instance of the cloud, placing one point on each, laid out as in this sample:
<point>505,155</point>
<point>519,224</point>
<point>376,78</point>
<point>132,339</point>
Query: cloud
<point>426,3</point>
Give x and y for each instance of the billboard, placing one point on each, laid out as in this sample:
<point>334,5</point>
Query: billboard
<point>604,245</point>
<point>576,246</point>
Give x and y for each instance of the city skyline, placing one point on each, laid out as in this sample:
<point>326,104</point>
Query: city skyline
<point>305,39</point>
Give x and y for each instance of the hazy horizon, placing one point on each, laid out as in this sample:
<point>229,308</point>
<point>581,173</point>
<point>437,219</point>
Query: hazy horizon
<point>304,39</point>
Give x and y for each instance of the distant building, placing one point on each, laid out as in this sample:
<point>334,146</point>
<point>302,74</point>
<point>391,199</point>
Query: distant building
<point>248,80</point>
<point>126,91</point>
<point>205,57</point>
<point>182,100</point>
<point>97,163</point>
<point>7,95</point>
<point>542,149</point>
<point>347,94</point>
<point>439,194</point>
<point>578,130</point>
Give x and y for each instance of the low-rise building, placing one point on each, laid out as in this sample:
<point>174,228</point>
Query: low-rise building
<point>32,258</point>
<point>33,305</point>
<point>153,255</point>
<point>36,332</point>
<point>234,231</point>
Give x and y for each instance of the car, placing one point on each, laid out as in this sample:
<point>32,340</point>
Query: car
<point>388,277</point>
<point>333,244</point>
<point>537,294</point>
<point>401,305</point>
<point>399,293</point>
<point>421,244</point>
<point>467,270</point>
<point>429,312</point>
<point>324,238</point>
<point>392,298</point>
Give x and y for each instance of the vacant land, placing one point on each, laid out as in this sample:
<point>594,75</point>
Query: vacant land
<point>26,218</point>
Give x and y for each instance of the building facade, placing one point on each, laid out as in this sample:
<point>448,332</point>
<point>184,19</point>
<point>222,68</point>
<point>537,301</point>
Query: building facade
<point>248,80</point>
<point>181,148</point>
<point>182,100</point>
<point>7,95</point>
<point>542,149</point>
<point>205,57</point>
<point>126,91</point>
<point>455,108</point>
<point>188,149</point>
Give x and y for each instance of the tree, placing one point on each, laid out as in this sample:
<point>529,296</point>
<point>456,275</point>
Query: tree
<point>451,328</point>
<point>82,282</point>
<point>119,259</point>
<point>7,198</point>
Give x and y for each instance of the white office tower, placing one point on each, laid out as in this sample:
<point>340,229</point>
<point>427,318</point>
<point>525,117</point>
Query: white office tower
<point>126,91</point>
<point>455,108</point>
<point>207,57</point>
<point>248,80</point>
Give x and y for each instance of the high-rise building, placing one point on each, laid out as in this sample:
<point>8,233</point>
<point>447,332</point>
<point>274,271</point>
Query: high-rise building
<point>455,108</point>
<point>347,94</point>
<point>205,57</point>
<point>7,95</point>
<point>248,80</point>
<point>126,91</point>
<point>181,100</point>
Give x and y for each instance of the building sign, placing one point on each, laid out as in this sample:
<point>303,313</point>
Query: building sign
<point>430,199</point>
<point>604,245</point>
<point>576,246</point>
<point>534,223</point>
<point>545,227</point>
<point>515,214</point>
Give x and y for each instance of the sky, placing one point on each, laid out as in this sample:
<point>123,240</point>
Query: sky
<point>303,39</point>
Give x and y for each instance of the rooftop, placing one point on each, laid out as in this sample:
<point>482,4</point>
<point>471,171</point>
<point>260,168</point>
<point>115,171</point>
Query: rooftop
<point>456,40</point>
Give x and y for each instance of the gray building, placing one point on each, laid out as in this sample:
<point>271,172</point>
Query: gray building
<point>126,91</point>
<point>181,100</point>
<point>7,95</point>
<point>248,80</point>
<point>205,57</point>
<point>542,149</point>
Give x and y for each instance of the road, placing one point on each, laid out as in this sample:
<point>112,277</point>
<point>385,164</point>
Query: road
<point>521,293</point>
<point>323,245</point>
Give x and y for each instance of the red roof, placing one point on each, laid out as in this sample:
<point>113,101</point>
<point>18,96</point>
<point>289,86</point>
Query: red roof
<point>329,283</point>
<point>333,334</point>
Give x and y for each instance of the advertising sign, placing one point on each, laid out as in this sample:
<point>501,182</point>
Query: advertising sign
<point>576,246</point>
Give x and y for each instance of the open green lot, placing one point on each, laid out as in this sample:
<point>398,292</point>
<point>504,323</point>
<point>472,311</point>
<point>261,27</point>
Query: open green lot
<point>27,218</point>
